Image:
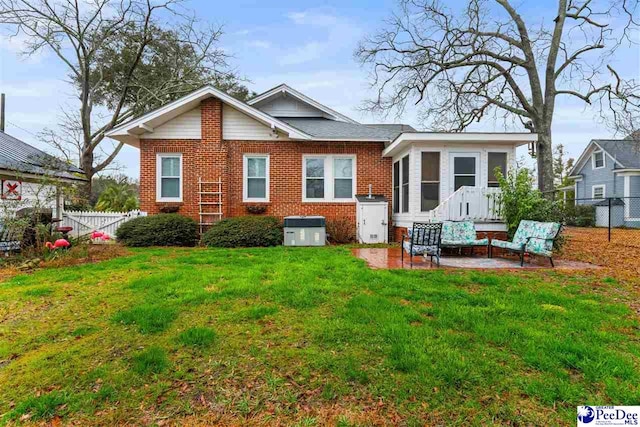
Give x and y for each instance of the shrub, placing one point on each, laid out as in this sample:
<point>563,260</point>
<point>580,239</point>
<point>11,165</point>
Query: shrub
<point>341,230</point>
<point>580,215</point>
<point>244,231</point>
<point>159,230</point>
<point>520,200</point>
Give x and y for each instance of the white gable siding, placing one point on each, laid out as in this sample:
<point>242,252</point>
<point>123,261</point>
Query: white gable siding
<point>239,126</point>
<point>185,126</point>
<point>290,107</point>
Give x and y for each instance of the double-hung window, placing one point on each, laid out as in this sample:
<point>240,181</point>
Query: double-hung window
<point>329,178</point>
<point>169,177</point>
<point>598,191</point>
<point>255,178</point>
<point>598,159</point>
<point>496,160</point>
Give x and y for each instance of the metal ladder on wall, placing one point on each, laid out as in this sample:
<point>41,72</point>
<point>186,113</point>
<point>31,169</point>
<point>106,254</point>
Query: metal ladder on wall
<point>209,202</point>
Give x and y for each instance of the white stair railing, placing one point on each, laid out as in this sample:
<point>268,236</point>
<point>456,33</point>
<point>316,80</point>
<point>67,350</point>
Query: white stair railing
<point>470,203</point>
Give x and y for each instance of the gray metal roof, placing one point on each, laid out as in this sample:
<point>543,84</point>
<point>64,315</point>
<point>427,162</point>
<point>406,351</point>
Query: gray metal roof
<point>18,156</point>
<point>625,151</point>
<point>331,129</point>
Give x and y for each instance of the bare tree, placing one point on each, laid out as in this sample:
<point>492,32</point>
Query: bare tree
<point>107,47</point>
<point>488,60</point>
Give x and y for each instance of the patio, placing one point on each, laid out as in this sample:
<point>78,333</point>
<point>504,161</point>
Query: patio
<point>390,258</point>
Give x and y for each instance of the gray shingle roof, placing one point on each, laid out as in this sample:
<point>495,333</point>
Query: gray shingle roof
<point>625,151</point>
<point>324,128</point>
<point>21,157</point>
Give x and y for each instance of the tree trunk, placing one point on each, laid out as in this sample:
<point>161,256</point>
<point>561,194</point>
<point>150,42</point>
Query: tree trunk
<point>86,163</point>
<point>545,161</point>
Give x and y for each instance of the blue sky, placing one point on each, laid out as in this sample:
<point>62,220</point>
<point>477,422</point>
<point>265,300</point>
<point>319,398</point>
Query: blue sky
<point>306,44</point>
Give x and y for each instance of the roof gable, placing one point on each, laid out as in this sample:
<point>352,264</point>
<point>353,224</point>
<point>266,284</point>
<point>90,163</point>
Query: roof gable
<point>624,153</point>
<point>129,132</point>
<point>284,101</point>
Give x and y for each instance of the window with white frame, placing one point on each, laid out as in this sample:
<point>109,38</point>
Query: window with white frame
<point>598,191</point>
<point>255,178</point>
<point>329,178</point>
<point>169,177</point>
<point>598,159</point>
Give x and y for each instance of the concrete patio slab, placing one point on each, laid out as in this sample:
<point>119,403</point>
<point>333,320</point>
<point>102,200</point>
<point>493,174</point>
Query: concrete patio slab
<point>390,258</point>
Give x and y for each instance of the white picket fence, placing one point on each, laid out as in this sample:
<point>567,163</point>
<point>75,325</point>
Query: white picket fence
<point>85,222</point>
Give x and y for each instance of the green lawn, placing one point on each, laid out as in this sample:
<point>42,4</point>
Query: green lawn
<point>308,336</point>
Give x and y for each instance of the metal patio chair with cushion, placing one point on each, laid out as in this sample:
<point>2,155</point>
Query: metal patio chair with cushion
<point>461,234</point>
<point>422,239</point>
<point>531,237</point>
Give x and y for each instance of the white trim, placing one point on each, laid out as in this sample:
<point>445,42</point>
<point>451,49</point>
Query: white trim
<point>283,88</point>
<point>245,178</point>
<point>630,172</point>
<point>135,127</point>
<point>604,191</point>
<point>159,157</point>
<point>593,159</point>
<point>329,176</point>
<point>405,138</point>
<point>627,194</point>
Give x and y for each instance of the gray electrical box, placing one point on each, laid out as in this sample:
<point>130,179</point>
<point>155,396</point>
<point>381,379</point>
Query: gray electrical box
<point>304,231</point>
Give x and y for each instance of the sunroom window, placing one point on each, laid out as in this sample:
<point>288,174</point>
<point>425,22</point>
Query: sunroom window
<point>430,184</point>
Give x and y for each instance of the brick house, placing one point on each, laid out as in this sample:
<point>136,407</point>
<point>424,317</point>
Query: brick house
<point>210,156</point>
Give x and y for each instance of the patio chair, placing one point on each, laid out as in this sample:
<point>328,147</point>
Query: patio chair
<point>531,237</point>
<point>461,234</point>
<point>422,239</point>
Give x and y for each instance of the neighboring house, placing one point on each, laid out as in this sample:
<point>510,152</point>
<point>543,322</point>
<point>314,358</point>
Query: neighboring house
<point>32,178</point>
<point>610,168</point>
<point>211,156</point>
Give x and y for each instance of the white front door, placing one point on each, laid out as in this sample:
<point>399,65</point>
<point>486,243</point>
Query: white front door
<point>373,225</point>
<point>465,170</point>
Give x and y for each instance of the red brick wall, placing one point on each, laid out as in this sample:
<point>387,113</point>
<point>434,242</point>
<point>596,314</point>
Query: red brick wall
<point>285,164</point>
<point>204,158</point>
<point>211,158</point>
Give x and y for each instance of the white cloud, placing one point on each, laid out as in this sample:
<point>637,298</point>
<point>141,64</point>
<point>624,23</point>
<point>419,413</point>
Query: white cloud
<point>260,44</point>
<point>17,45</point>
<point>339,34</point>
